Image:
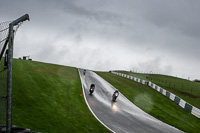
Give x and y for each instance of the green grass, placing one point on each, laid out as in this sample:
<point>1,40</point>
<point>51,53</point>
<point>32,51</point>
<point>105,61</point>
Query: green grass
<point>185,89</point>
<point>46,98</point>
<point>154,103</point>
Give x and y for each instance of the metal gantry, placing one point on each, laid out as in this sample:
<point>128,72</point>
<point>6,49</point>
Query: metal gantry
<point>7,55</point>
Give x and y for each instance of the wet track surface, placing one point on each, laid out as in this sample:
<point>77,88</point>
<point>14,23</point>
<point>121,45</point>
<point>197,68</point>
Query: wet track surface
<point>121,116</point>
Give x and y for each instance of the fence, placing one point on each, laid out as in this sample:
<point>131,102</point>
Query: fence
<point>7,31</point>
<point>4,30</point>
<point>189,87</point>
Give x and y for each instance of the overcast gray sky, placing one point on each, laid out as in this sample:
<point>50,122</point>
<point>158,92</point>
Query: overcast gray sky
<point>142,35</point>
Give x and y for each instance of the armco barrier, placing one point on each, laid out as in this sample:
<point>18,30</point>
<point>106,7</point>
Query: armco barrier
<point>164,92</point>
<point>186,106</point>
<point>195,112</point>
<point>177,100</point>
<point>182,103</point>
<point>167,94</point>
<point>172,96</point>
<point>161,90</point>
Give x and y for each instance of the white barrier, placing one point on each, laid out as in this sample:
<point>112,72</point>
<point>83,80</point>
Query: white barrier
<point>182,103</point>
<point>196,112</point>
<point>172,96</point>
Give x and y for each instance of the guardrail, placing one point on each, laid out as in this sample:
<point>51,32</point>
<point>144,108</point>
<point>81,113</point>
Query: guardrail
<point>186,106</point>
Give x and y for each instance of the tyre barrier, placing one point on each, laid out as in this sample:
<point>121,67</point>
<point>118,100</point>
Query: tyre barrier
<point>186,106</point>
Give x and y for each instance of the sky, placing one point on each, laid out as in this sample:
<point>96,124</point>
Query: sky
<point>139,35</point>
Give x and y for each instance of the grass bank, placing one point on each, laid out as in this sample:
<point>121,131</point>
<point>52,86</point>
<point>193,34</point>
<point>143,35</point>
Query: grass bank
<point>185,89</point>
<point>154,103</point>
<point>47,98</point>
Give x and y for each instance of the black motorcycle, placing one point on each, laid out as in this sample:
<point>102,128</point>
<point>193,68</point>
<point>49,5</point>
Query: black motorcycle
<point>92,87</point>
<point>115,95</point>
<point>84,72</point>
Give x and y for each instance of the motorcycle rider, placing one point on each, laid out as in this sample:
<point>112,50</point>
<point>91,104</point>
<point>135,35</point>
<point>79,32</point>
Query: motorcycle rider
<point>92,87</point>
<point>84,71</point>
<point>117,91</point>
<point>115,95</point>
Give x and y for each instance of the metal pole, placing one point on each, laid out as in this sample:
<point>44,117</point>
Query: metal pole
<point>10,62</point>
<point>9,83</point>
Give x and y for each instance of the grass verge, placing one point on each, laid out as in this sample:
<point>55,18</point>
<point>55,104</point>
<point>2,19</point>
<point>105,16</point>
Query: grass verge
<point>154,103</point>
<point>185,89</point>
<point>48,98</point>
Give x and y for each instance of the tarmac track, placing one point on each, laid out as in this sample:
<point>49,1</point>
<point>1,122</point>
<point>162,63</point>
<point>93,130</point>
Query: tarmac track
<point>121,116</point>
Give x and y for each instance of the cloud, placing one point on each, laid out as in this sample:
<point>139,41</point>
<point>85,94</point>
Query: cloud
<point>155,66</point>
<point>161,36</point>
<point>179,15</point>
<point>93,11</point>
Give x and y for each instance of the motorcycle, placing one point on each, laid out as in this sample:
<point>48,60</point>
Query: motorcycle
<point>84,72</point>
<point>114,96</point>
<point>92,87</point>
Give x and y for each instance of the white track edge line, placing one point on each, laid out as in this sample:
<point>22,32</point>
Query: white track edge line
<point>89,106</point>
